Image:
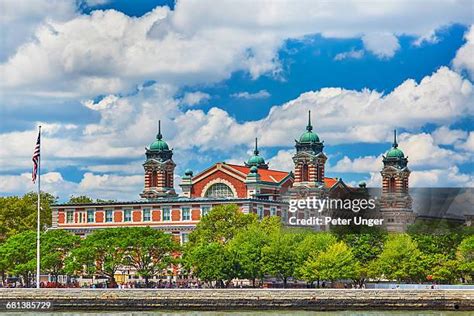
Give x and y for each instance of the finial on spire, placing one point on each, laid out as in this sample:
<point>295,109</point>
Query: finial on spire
<point>309,127</point>
<point>256,147</point>
<point>159,136</point>
<point>395,144</point>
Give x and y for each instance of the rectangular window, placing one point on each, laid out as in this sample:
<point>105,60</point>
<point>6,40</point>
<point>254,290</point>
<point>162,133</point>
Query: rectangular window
<point>127,215</point>
<point>166,214</point>
<point>90,216</point>
<point>146,215</point>
<point>185,214</point>
<point>184,238</point>
<point>273,211</point>
<point>69,216</point>
<point>260,212</point>
<point>109,216</point>
<point>205,210</point>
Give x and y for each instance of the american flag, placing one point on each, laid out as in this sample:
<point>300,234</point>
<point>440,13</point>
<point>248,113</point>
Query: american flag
<point>36,157</point>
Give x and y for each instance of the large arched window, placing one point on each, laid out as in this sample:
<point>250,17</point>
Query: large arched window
<point>391,185</point>
<point>304,173</point>
<point>219,190</point>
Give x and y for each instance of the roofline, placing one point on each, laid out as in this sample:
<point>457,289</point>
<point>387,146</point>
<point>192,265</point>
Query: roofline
<point>169,201</point>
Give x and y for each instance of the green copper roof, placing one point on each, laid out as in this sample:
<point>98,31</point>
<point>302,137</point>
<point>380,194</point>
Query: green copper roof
<point>309,136</point>
<point>256,160</point>
<point>159,144</point>
<point>395,152</point>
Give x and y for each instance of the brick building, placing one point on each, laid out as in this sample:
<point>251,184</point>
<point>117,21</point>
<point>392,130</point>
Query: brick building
<point>253,186</point>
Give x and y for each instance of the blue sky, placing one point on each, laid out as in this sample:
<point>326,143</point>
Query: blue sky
<point>99,74</point>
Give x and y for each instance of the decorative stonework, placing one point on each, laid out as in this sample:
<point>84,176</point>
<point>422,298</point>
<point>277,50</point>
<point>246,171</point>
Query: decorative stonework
<point>215,181</point>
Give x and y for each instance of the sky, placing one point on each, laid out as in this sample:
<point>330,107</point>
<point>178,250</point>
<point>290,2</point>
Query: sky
<point>97,75</point>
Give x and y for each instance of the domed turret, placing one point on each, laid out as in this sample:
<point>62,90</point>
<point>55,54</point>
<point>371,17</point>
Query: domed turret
<point>309,136</point>
<point>395,156</point>
<point>256,160</point>
<point>159,169</point>
<point>159,144</point>
<point>395,152</point>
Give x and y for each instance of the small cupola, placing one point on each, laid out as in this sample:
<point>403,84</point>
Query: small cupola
<point>256,160</point>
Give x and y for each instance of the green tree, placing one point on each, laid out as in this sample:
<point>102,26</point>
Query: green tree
<point>309,247</point>
<point>435,236</point>
<point>147,250</point>
<point>56,245</point>
<point>400,260</point>
<point>211,262</point>
<point>442,268</point>
<point>19,255</point>
<point>279,257</point>
<point>246,247</point>
<point>101,254</point>
<point>19,214</point>
<point>465,257</point>
<point>81,199</point>
<point>335,263</point>
<point>221,224</point>
<point>366,247</point>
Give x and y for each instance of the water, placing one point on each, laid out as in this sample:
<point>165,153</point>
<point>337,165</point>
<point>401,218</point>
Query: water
<point>248,313</point>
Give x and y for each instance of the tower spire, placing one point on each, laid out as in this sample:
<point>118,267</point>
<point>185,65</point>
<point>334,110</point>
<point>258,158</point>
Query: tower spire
<point>256,147</point>
<point>159,136</point>
<point>309,127</point>
<point>395,144</point>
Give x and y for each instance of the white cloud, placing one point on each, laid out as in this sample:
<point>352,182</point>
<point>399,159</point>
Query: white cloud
<point>194,98</point>
<point>283,160</point>
<point>383,45</point>
<point>134,167</point>
<point>421,149</point>
<point>464,59</point>
<point>93,3</point>
<point>199,42</point>
<point>468,145</point>
<point>422,152</point>
<point>445,177</point>
<point>446,136</point>
<point>93,185</point>
<point>358,165</point>
<point>20,18</point>
<point>449,177</point>
<point>262,94</point>
<point>352,54</point>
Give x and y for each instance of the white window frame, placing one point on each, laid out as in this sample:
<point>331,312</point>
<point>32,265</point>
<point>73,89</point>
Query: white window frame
<point>72,217</point>
<point>163,214</point>
<point>182,237</point>
<point>131,215</point>
<point>260,212</point>
<point>87,216</point>
<point>273,211</point>
<point>105,216</point>
<point>182,213</point>
<point>209,207</point>
<point>149,214</point>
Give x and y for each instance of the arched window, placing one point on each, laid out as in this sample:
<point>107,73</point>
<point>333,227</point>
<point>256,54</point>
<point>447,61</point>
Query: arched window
<point>219,190</point>
<point>391,185</point>
<point>304,173</point>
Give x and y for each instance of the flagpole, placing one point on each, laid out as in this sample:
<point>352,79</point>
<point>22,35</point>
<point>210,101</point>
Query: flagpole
<point>38,226</point>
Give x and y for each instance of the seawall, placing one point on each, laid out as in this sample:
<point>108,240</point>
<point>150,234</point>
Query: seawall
<point>232,299</point>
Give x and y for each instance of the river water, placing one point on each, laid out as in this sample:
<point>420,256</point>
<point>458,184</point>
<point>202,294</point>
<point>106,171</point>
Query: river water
<point>249,313</point>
